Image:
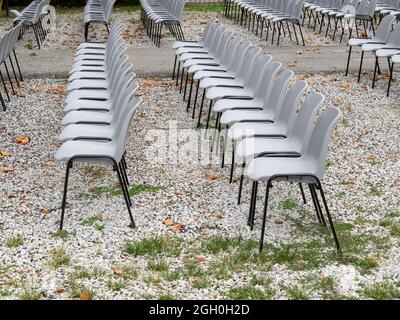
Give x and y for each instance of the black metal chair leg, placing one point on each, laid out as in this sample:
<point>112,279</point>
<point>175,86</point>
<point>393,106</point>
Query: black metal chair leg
<point>126,196</point>
<point>201,108</point>
<point>5,87</point>
<point>264,216</point>
<point>195,99</point>
<point>329,218</point>
<point>19,69</point>
<point>241,184</point>
<point>64,199</point>
<point>361,63</point>
<point>348,61</point>
<point>302,193</point>
<point>9,78</point>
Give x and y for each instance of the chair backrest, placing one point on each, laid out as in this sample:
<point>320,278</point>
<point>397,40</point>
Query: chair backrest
<point>108,9</point>
<point>207,30</point>
<point>275,99</point>
<point>121,102</point>
<point>304,123</point>
<point>318,145</point>
<point>383,30</point>
<point>236,60</point>
<point>232,49</point>
<point>394,37</point>
<point>218,29</point>
<point>247,62</point>
<point>265,86</point>
<point>256,73</point>
<point>223,44</point>
<point>287,113</point>
<point>120,136</point>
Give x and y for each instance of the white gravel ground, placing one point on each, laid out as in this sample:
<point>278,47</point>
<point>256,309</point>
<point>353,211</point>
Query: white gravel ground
<point>362,184</point>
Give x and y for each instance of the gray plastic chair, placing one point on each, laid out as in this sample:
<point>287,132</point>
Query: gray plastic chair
<point>308,168</point>
<point>103,153</point>
<point>97,12</point>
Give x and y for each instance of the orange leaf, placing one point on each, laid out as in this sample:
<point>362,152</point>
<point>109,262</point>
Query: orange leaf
<point>4,154</point>
<point>211,177</point>
<point>177,227</point>
<point>6,169</point>
<point>345,85</point>
<point>169,222</point>
<point>118,272</point>
<point>22,139</point>
<point>85,295</point>
<point>57,89</point>
<point>200,259</point>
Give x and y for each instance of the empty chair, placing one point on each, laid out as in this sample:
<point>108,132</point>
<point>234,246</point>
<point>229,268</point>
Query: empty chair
<point>97,11</point>
<point>308,168</point>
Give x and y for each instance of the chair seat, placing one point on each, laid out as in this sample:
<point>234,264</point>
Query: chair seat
<point>233,116</point>
<point>82,149</point>
<point>217,73</point>
<point>80,84</point>
<point>81,104</point>
<point>265,168</point>
<point>87,117</point>
<point>87,75</point>
<point>241,130</point>
<point>251,147</point>
<point>199,67</point>
<point>78,95</point>
<point>220,82</point>
<point>207,62</point>
<point>217,93</point>
<point>228,104</point>
<point>86,131</point>
<point>180,44</point>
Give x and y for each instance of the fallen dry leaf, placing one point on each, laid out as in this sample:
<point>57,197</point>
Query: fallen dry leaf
<point>49,163</point>
<point>278,221</point>
<point>345,85</point>
<point>59,291</point>
<point>200,259</point>
<point>20,95</point>
<point>169,222</point>
<point>22,139</point>
<point>211,177</point>
<point>57,89</point>
<point>4,154</point>
<point>85,295</point>
<point>6,169</point>
<point>219,215</point>
<point>118,272</point>
<point>177,227</point>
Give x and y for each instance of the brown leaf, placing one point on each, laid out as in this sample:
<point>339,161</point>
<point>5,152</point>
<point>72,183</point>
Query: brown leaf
<point>4,154</point>
<point>178,193</point>
<point>20,95</point>
<point>49,163</point>
<point>85,295</point>
<point>177,227</point>
<point>278,221</point>
<point>211,177</point>
<point>22,139</point>
<point>57,89</point>
<point>299,52</point>
<point>345,85</point>
<point>6,169</point>
<point>200,259</point>
<point>169,222</point>
<point>118,272</point>
<point>59,291</point>
<point>219,215</point>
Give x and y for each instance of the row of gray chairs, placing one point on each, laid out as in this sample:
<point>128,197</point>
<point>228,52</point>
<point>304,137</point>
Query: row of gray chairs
<point>385,44</point>
<point>99,108</point>
<point>275,139</point>
<point>345,14</point>
<point>276,15</point>
<point>158,13</point>
<point>8,44</point>
<point>97,11</point>
<point>34,16</point>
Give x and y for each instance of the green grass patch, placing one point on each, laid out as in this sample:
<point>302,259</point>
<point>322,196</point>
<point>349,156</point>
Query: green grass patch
<point>249,292</point>
<point>30,294</point>
<point>296,293</point>
<point>382,291</point>
<point>59,258</point>
<point>153,246</point>
<point>14,241</point>
<point>158,266</point>
<point>112,191</point>
<point>289,204</point>
<point>117,285</point>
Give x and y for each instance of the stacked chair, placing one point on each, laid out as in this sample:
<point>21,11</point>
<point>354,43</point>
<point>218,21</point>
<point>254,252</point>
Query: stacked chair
<point>36,17</point>
<point>97,11</point>
<point>385,44</point>
<point>8,43</point>
<point>323,12</point>
<point>274,137</point>
<point>99,108</point>
<point>278,16</point>
<point>158,13</point>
